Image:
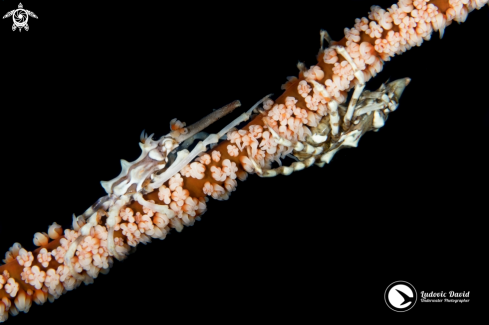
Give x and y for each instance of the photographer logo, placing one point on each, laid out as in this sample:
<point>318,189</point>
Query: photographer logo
<point>20,16</point>
<point>400,296</point>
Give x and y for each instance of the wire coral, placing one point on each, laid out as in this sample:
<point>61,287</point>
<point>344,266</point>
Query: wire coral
<point>139,230</point>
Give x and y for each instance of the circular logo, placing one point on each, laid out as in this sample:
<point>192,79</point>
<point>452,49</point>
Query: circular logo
<point>20,17</point>
<point>400,296</point>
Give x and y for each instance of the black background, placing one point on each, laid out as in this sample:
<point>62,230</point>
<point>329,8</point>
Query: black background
<point>407,204</point>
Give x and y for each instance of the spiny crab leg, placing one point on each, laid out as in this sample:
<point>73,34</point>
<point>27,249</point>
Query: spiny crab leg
<point>370,108</point>
<point>307,151</point>
<point>287,170</point>
<point>284,170</point>
<point>155,207</point>
<point>324,37</point>
<point>334,119</point>
<point>358,87</point>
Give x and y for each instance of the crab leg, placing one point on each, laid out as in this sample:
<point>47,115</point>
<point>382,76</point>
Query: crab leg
<point>358,87</point>
<point>287,170</point>
<point>184,157</point>
<point>324,37</point>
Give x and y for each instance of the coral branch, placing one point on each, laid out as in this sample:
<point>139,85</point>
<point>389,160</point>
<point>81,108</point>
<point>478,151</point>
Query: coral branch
<point>266,139</point>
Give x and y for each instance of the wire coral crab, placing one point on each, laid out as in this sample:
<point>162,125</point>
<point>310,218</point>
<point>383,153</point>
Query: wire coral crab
<point>288,207</point>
